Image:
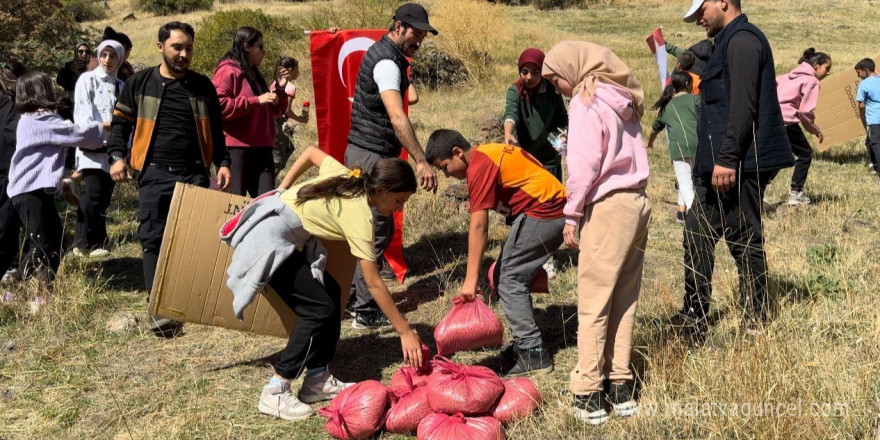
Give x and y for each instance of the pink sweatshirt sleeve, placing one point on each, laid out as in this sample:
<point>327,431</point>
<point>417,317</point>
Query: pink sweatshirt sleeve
<point>233,104</point>
<point>809,98</point>
<point>586,147</point>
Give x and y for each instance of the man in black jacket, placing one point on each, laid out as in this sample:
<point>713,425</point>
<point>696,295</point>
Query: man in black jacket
<point>174,115</point>
<point>380,128</point>
<point>742,140</point>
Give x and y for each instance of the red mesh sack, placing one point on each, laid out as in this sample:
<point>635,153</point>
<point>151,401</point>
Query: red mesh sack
<point>357,412</point>
<point>469,325</point>
<point>455,388</point>
<point>459,427</point>
<point>520,399</point>
<point>407,375</point>
<point>408,408</point>
<point>540,284</point>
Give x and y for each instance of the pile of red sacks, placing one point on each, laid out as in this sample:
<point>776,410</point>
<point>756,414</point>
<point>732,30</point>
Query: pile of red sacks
<point>442,400</point>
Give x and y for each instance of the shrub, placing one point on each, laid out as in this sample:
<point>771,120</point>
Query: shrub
<point>167,7</point>
<point>352,14</point>
<point>481,38</point>
<point>557,4</point>
<point>434,68</point>
<point>87,10</point>
<point>216,31</point>
<point>38,33</point>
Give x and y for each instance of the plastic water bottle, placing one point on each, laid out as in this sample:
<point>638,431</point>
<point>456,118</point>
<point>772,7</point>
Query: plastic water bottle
<point>556,140</point>
<point>306,107</point>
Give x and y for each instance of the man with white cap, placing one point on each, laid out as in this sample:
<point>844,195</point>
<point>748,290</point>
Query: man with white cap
<point>742,141</point>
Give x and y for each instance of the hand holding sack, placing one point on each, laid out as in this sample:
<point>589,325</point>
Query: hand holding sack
<point>520,399</point>
<point>409,405</point>
<point>462,389</point>
<point>357,412</point>
<point>467,326</point>
<point>459,427</point>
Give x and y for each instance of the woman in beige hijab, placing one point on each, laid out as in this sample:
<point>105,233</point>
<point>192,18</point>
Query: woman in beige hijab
<point>607,207</point>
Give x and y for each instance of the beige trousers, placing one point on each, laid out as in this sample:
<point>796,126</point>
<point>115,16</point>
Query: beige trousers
<point>612,241</point>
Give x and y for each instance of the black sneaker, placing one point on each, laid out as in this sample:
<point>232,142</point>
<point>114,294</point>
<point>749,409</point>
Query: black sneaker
<point>531,360</point>
<point>589,408</point>
<point>622,399</point>
<point>689,328</point>
<point>349,306</point>
<point>368,320</point>
<point>166,328</point>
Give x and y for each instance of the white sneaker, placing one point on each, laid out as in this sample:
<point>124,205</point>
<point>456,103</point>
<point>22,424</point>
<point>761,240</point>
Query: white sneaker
<point>321,387</point>
<point>99,253</point>
<point>798,198</point>
<point>278,401</point>
<point>11,275</point>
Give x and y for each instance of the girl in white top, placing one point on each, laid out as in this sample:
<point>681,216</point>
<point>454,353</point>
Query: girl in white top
<point>94,97</point>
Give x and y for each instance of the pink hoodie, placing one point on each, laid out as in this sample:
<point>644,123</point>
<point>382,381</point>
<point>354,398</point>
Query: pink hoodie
<point>605,149</point>
<point>246,123</point>
<point>798,92</point>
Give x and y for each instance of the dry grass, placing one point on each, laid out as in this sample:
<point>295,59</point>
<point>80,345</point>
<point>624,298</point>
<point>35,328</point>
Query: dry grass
<point>68,378</point>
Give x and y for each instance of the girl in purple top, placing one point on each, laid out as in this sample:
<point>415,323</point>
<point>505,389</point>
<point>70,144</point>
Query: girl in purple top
<point>37,165</point>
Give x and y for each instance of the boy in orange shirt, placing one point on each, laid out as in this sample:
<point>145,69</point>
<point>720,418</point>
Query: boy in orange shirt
<point>512,182</point>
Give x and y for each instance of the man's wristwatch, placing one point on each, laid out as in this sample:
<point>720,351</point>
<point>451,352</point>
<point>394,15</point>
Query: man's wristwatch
<point>115,157</point>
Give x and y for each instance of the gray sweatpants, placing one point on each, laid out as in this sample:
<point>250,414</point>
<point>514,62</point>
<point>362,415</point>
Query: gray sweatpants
<point>528,247</point>
<point>383,227</point>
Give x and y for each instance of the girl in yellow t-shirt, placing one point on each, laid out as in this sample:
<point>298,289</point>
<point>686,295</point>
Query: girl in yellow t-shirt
<point>333,206</point>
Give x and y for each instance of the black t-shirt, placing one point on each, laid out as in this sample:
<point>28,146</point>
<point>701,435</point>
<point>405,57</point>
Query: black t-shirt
<point>175,139</point>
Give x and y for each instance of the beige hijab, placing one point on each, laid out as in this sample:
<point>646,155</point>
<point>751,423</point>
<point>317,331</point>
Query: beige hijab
<point>585,64</point>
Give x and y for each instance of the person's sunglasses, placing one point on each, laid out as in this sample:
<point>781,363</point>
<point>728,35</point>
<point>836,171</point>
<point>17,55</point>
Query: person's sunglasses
<point>82,51</point>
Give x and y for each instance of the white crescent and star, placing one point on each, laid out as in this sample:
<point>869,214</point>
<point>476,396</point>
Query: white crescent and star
<point>359,44</point>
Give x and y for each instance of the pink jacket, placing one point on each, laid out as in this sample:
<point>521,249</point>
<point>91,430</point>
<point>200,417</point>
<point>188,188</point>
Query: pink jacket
<point>605,149</point>
<point>246,123</point>
<point>798,92</point>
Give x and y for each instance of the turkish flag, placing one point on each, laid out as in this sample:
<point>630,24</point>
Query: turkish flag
<point>336,59</point>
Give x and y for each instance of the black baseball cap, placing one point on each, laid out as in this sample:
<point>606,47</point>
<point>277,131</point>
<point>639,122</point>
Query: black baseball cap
<point>415,16</point>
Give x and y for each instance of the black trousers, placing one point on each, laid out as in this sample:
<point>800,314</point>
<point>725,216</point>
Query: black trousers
<point>383,230</point>
<point>313,342</point>
<point>43,231</point>
<point>872,142</point>
<point>91,216</point>
<point>803,154</point>
<point>253,170</point>
<point>10,227</point>
<point>156,186</point>
<point>736,216</point>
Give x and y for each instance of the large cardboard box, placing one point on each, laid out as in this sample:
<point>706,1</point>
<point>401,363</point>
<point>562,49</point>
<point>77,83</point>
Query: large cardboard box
<point>190,282</point>
<point>837,112</point>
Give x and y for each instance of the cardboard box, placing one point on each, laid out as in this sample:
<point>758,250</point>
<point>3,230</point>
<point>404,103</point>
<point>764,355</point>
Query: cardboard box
<point>190,282</point>
<point>837,112</point>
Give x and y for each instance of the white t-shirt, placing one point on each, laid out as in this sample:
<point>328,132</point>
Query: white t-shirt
<point>387,75</point>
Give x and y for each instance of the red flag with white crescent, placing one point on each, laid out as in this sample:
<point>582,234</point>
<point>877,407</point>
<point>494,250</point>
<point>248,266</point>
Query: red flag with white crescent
<point>336,59</point>
<point>658,49</point>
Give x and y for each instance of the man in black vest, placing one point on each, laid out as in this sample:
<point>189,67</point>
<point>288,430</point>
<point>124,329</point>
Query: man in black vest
<point>742,141</point>
<point>380,128</point>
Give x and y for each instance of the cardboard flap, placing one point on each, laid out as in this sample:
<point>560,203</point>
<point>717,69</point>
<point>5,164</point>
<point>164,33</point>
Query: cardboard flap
<point>190,282</point>
<point>837,112</point>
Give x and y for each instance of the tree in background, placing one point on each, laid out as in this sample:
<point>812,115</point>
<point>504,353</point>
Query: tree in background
<point>38,33</point>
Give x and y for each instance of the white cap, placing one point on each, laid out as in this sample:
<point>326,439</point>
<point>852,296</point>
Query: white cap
<point>691,15</point>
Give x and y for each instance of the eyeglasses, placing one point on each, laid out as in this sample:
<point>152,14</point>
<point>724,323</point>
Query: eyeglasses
<point>82,51</point>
